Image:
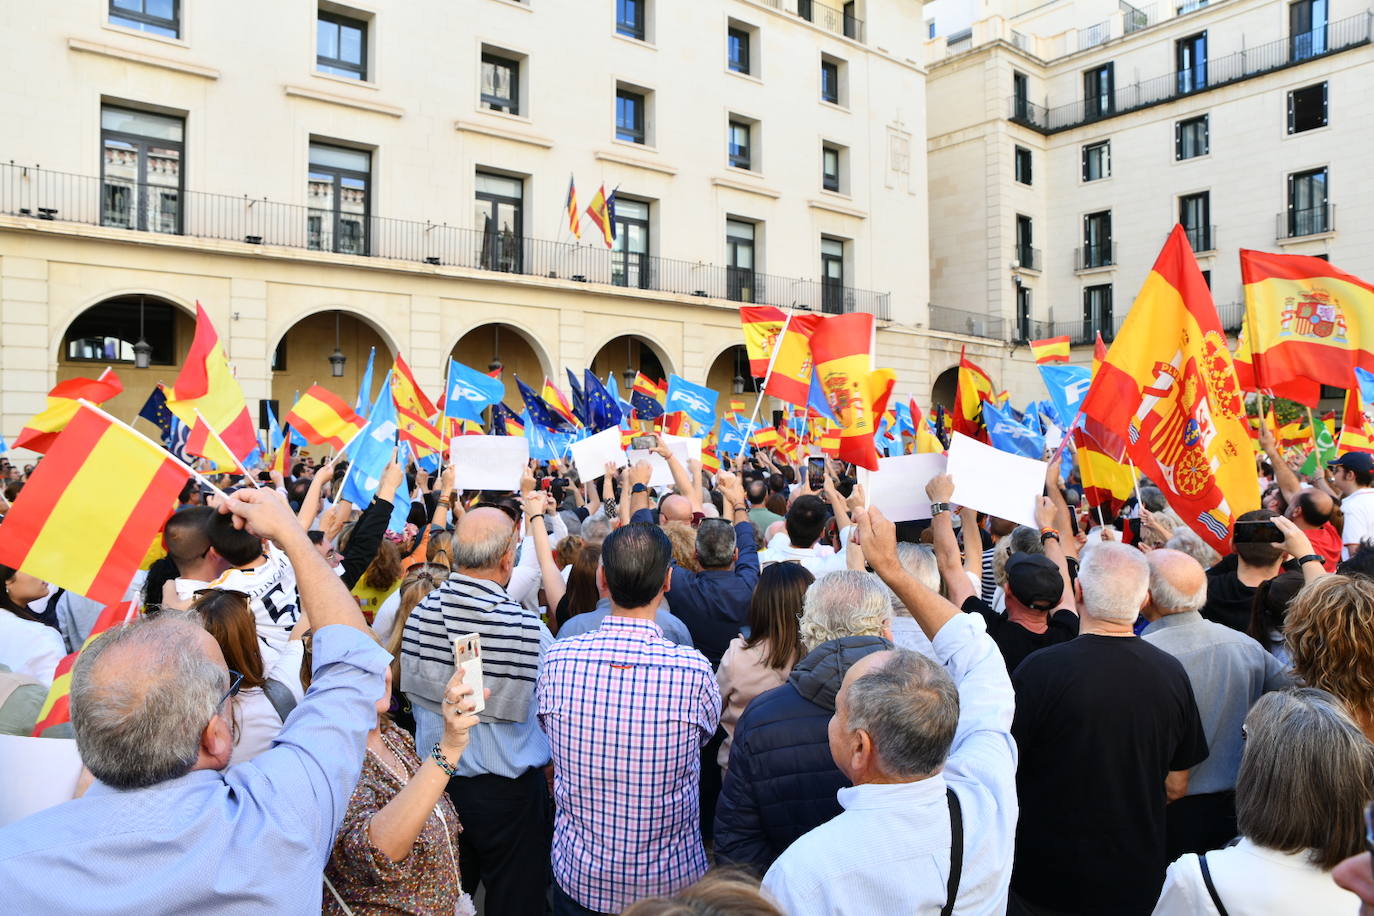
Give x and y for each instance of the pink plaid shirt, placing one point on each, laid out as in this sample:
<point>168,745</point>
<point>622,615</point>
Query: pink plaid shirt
<point>627,713</point>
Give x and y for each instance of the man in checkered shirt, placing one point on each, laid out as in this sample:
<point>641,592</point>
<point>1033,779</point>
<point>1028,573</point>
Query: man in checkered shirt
<point>627,713</point>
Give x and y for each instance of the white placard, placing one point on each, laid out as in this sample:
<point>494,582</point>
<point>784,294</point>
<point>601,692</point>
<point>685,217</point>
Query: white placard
<point>39,773</point>
<point>684,448</point>
<point>996,482</point>
<point>898,487</point>
<point>489,462</point>
<point>591,454</point>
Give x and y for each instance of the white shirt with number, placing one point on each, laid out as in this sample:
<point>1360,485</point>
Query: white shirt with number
<point>271,591</point>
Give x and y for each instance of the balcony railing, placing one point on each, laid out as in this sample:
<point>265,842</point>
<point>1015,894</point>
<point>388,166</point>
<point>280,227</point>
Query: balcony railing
<point>61,196</point>
<point>1026,257</point>
<point>1091,257</point>
<point>1295,224</point>
<point>1202,238</point>
<point>973,324</point>
<point>1232,314</point>
<point>830,18</point>
<point>1341,35</point>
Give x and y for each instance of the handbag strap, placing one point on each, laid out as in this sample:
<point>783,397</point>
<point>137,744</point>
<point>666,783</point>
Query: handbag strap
<point>330,884</point>
<point>956,851</point>
<point>1211,888</point>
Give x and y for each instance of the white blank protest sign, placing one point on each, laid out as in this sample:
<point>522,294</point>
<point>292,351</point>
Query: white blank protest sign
<point>684,449</point>
<point>898,487</point>
<point>489,462</point>
<point>996,482</point>
<point>591,454</point>
<point>39,773</point>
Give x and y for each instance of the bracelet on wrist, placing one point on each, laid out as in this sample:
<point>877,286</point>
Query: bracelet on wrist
<point>438,757</point>
<point>1047,533</point>
<point>1310,558</point>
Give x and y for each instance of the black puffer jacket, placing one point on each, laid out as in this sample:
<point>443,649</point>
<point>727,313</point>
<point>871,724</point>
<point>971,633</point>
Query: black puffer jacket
<point>782,781</point>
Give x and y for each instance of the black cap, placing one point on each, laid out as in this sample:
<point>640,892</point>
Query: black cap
<point>1354,461</point>
<point>1033,579</point>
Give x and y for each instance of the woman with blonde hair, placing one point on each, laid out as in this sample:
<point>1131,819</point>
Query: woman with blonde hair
<point>1328,631</point>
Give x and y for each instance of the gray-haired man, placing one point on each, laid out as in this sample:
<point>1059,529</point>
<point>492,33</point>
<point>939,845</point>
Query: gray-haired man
<point>927,745</point>
<point>167,828</point>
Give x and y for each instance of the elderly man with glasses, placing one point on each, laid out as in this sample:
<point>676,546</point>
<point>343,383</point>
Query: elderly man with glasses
<point>168,826</point>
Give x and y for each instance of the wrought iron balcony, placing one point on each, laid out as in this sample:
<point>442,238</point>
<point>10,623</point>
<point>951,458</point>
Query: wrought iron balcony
<point>1296,223</point>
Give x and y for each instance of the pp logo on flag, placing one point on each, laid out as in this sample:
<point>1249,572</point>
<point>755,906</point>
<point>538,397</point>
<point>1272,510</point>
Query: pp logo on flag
<point>385,431</point>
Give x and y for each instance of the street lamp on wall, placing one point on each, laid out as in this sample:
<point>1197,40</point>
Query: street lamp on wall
<point>495,365</point>
<point>630,373</point>
<point>336,359</point>
<point>143,351</point>
<point>737,384</point>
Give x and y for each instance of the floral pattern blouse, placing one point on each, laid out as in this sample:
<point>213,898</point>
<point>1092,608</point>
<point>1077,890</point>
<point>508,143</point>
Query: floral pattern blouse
<point>425,882</point>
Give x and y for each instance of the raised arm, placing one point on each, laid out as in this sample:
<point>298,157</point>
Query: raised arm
<point>1298,545</point>
<point>1288,481</point>
<point>371,526</point>
<point>682,481</point>
<point>310,506</point>
<point>878,536</point>
<point>1063,515</point>
<point>444,506</point>
<point>536,525</point>
<point>837,503</point>
<point>973,543</point>
<point>1045,513</point>
<point>940,488</point>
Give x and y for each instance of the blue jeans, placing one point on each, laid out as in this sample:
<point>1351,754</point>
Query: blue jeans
<point>563,905</point>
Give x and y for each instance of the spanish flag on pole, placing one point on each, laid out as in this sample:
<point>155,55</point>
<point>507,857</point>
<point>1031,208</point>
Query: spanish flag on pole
<point>559,402</point>
<point>790,379</point>
<point>93,505</point>
<point>856,392</point>
<point>1307,319</point>
<point>1108,480</point>
<point>602,212</point>
<point>1050,350</point>
<point>971,390</point>
<point>324,418</point>
<point>1357,434</point>
<point>57,708</point>
<point>207,384</point>
<point>762,324</point>
<point>413,411</point>
<point>1169,382</point>
<point>40,433</point>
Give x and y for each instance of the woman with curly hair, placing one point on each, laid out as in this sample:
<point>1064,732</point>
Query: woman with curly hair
<point>1327,632</point>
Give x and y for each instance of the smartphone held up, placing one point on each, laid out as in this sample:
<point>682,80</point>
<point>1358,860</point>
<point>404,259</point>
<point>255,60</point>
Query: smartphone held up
<point>467,657</point>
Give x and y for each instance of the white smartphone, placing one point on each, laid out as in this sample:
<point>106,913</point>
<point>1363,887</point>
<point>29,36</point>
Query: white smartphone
<point>467,656</point>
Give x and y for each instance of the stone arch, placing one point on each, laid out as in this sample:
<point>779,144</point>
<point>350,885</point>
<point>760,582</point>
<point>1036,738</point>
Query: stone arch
<point>511,344</point>
<point>619,351</point>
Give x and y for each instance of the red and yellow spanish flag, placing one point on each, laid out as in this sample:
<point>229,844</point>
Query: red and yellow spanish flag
<point>1168,381</point>
<point>39,433</point>
<point>973,387</point>
<point>1050,350</point>
<point>790,380</point>
<point>413,411</point>
<point>281,461</point>
<point>1357,433</point>
<point>1108,480</point>
<point>600,212</point>
<point>762,325</point>
<point>57,708</point>
<point>1303,390</point>
<point>207,384</point>
<point>856,392</point>
<point>710,461</point>
<point>559,402</point>
<point>766,437</point>
<point>1306,320</point>
<point>93,505</point>
<point>927,443</point>
<point>324,418</point>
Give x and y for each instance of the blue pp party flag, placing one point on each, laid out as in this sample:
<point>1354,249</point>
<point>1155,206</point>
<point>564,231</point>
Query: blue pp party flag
<point>697,401</point>
<point>400,503</point>
<point>469,391</point>
<point>1006,434</point>
<point>602,407</point>
<point>372,450</point>
<point>545,444</point>
<point>4,446</point>
<point>274,433</point>
<point>364,402</point>
<point>1068,386</point>
<point>1365,378</point>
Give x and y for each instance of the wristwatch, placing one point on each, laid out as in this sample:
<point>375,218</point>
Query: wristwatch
<point>639,488</point>
<point>937,508</point>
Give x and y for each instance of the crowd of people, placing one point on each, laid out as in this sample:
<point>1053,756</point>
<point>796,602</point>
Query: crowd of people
<point>748,692</point>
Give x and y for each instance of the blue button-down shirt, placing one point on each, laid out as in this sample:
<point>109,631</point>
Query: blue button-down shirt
<point>1229,671</point>
<point>673,628</point>
<point>250,839</point>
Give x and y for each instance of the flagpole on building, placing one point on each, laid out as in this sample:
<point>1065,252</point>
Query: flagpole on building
<point>117,422</point>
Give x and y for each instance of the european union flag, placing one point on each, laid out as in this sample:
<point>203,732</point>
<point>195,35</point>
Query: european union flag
<point>155,411</point>
<point>697,401</point>
<point>602,410</point>
<point>646,407</point>
<point>501,416</point>
<point>537,410</point>
<point>579,404</point>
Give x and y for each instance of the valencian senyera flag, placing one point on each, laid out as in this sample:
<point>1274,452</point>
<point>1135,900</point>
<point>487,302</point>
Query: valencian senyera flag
<point>1305,320</point>
<point>1169,382</point>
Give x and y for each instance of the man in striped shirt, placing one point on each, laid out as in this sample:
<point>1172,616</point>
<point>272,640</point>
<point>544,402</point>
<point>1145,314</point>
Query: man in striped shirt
<point>627,713</point>
<point>500,792</point>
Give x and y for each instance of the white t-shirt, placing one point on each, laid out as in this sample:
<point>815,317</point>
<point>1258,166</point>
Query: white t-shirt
<point>254,715</point>
<point>29,647</point>
<point>271,591</point>
<point>385,619</point>
<point>1358,509</point>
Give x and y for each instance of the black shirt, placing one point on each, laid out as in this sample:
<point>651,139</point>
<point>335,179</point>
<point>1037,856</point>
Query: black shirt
<point>1100,722</point>
<point>1014,641</point>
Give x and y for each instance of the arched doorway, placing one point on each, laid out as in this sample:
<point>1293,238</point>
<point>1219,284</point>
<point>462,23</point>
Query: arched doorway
<point>302,358</point>
<point>502,346</point>
<point>624,356</point>
<point>110,333</point>
<point>943,391</point>
<point>729,375</point>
